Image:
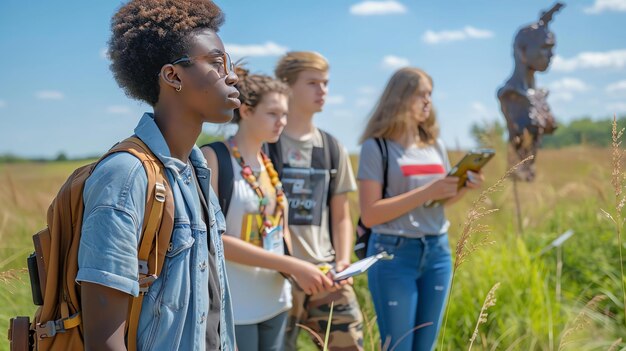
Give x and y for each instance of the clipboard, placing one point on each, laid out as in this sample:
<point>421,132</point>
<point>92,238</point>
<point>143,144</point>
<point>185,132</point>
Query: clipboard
<point>361,266</point>
<point>474,161</point>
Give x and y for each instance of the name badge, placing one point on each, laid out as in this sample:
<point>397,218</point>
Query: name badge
<point>273,240</point>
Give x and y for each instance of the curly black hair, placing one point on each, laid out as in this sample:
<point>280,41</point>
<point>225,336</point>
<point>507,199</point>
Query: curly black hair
<point>147,34</point>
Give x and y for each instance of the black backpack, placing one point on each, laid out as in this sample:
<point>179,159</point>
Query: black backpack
<point>225,182</point>
<point>363,233</point>
<point>327,159</point>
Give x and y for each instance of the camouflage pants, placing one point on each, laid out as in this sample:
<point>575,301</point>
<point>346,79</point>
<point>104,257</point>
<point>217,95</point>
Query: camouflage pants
<point>346,330</point>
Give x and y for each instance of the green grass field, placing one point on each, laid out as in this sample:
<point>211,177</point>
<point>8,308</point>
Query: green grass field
<point>572,188</point>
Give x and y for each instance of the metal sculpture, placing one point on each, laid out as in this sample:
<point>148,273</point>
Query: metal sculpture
<point>525,106</point>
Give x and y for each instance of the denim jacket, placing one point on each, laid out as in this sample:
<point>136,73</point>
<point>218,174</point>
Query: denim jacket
<point>174,310</point>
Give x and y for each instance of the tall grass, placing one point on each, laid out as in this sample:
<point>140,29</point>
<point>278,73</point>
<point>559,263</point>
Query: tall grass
<point>490,301</point>
<point>26,190</point>
<point>467,244</point>
<point>571,186</point>
<point>315,335</point>
<point>581,322</point>
<point>617,180</point>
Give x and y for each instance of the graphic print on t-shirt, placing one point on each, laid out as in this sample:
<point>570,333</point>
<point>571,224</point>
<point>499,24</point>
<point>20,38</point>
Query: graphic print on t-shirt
<point>296,159</point>
<point>306,190</point>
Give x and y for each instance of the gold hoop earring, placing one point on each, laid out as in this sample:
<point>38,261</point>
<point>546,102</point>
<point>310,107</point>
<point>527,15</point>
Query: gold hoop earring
<point>180,87</point>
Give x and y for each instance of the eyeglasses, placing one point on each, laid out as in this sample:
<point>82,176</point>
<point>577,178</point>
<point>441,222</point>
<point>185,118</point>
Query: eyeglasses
<point>223,66</point>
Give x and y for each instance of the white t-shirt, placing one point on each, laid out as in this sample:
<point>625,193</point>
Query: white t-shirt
<point>258,294</point>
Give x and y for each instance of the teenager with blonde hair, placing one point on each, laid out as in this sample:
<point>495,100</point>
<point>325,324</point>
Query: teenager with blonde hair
<point>317,175</point>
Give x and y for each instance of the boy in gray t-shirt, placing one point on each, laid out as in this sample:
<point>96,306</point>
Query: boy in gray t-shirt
<point>321,228</point>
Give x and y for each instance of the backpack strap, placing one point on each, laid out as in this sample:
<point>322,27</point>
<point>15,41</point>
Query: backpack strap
<point>157,227</point>
<point>158,223</point>
<point>331,163</point>
<point>273,150</point>
<point>331,160</point>
<point>384,153</point>
<point>225,180</point>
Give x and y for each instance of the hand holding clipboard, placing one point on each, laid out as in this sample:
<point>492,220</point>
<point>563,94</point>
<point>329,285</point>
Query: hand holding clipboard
<point>361,266</point>
<point>473,161</point>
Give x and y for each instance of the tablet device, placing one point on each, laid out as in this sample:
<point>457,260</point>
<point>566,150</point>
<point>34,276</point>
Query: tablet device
<point>361,266</point>
<point>473,161</point>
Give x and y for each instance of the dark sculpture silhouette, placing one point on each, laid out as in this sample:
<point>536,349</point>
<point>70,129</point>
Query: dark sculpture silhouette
<point>524,106</point>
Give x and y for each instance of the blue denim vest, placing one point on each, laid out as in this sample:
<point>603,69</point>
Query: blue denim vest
<point>174,311</point>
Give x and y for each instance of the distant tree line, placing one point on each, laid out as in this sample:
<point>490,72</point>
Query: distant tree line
<point>580,131</point>
<point>203,139</point>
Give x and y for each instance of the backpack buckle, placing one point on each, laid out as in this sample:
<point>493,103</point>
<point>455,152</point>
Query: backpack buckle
<point>146,282</point>
<point>159,192</point>
<point>48,329</point>
<point>332,172</point>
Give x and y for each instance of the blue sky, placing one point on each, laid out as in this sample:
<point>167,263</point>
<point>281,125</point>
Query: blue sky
<point>58,94</point>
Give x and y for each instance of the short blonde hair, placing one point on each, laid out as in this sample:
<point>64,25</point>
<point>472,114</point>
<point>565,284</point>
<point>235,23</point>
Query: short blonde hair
<point>294,62</point>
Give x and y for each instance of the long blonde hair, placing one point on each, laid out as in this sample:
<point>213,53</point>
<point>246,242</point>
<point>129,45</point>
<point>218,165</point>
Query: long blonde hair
<point>392,116</point>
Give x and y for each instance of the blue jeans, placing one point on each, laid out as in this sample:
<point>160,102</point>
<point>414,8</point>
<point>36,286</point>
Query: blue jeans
<point>268,335</point>
<point>411,289</point>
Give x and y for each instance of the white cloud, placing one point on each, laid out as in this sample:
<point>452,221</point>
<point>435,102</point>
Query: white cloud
<point>616,107</point>
<point>395,62</point>
<point>479,108</point>
<point>363,102</point>
<point>49,95</point>
<point>606,5</point>
<point>3,103</point>
<point>568,84</point>
<point>479,111</point>
<point>104,53</point>
<point>564,89</point>
<point>335,99</point>
<point>607,59</point>
<point>367,90</point>
<point>561,96</point>
<point>617,86</point>
<point>469,32</point>
<point>268,49</point>
<point>119,110</point>
<point>476,33</point>
<point>372,8</point>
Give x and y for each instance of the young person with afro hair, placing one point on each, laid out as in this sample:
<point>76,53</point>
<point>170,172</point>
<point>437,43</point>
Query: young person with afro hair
<point>166,53</point>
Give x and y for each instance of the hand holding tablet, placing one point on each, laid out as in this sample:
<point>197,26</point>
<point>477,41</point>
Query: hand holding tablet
<point>472,162</point>
<point>361,266</point>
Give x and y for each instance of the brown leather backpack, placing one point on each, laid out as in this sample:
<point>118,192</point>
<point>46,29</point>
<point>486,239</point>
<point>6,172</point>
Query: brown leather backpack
<point>53,267</point>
